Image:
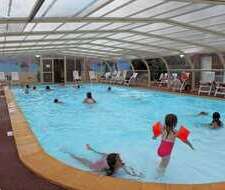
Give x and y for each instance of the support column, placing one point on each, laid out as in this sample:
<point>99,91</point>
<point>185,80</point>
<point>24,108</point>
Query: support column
<point>53,72</point>
<point>65,70</point>
<point>132,67</point>
<point>41,70</point>
<point>189,61</point>
<point>149,72</point>
<point>222,60</point>
<point>168,70</point>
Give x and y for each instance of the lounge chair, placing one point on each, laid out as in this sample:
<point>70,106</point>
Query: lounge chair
<point>76,76</point>
<point>2,76</point>
<point>132,79</point>
<point>15,77</point>
<point>123,77</point>
<point>163,79</point>
<point>106,77</point>
<point>220,89</point>
<point>116,78</point>
<point>206,86</point>
<point>92,76</point>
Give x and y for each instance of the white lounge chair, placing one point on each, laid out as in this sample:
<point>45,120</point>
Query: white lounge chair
<point>76,76</point>
<point>206,85</point>
<point>15,78</point>
<point>92,76</point>
<point>2,76</point>
<point>106,77</point>
<point>220,89</point>
<point>116,78</point>
<point>163,79</point>
<point>132,79</point>
<point>123,77</point>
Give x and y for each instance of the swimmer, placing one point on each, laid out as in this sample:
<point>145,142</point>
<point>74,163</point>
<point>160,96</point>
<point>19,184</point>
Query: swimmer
<point>89,99</point>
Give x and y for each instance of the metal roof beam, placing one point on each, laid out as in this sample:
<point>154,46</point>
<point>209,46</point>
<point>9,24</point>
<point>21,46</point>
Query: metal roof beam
<point>35,9</point>
<point>109,19</point>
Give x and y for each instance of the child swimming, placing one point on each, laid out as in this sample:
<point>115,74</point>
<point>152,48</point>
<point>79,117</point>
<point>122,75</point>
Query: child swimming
<point>216,122</point>
<point>89,99</point>
<point>167,142</point>
<point>109,164</point>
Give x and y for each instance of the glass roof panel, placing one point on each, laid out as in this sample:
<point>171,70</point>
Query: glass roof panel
<point>113,5</point>
<point>54,36</point>
<point>21,8</point>
<point>71,36</point>
<point>2,38</point>
<point>202,14</point>
<point>149,40</point>
<point>132,26</point>
<point>16,27</point>
<point>210,21</point>
<point>160,9</point>
<point>136,37</point>
<point>29,27</point>
<point>114,26</point>
<point>46,26</point>
<point>134,7</point>
<point>183,10</point>
<point>93,7</point>
<point>14,38</point>
<point>121,35</point>
<point>93,26</point>
<point>65,8</point>
<point>28,44</point>
<point>43,43</point>
<point>35,37</point>
<point>10,45</point>
<point>152,27</point>
<point>4,8</point>
<point>220,27</point>
<point>87,35</point>
<point>170,30</point>
<point>100,41</point>
<point>71,26</point>
<point>2,28</point>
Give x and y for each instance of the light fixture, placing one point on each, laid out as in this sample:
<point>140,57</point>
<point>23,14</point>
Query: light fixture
<point>181,55</point>
<point>37,56</point>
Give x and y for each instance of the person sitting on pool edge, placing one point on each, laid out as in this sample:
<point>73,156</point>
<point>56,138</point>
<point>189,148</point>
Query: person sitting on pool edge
<point>216,122</point>
<point>57,101</point>
<point>89,99</point>
<point>109,164</point>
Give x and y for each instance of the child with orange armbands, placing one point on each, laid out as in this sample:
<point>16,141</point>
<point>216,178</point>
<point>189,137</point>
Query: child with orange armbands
<point>169,135</point>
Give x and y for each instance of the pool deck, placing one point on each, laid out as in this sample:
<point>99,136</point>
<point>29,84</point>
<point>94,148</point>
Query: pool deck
<point>39,162</point>
<point>13,174</point>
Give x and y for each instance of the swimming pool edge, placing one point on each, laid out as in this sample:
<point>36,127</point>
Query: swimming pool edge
<point>38,161</point>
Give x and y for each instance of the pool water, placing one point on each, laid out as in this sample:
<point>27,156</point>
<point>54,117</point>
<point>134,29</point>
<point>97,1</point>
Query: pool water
<point>121,122</point>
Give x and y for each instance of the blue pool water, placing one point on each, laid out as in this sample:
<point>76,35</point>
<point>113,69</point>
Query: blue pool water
<point>121,122</point>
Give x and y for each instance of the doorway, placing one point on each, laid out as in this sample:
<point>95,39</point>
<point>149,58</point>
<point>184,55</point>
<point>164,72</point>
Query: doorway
<point>58,70</point>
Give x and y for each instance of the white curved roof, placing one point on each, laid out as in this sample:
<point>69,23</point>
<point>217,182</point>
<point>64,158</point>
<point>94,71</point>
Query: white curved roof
<point>112,28</point>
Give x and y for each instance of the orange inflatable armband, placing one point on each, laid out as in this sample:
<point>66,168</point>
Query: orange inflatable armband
<point>183,134</point>
<point>156,128</point>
